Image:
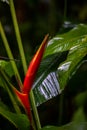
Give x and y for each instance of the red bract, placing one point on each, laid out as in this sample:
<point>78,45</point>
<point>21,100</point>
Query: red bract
<point>33,67</point>
<point>29,77</point>
<point>24,99</point>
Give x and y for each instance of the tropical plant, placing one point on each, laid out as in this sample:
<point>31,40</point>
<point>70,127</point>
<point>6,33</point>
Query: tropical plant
<point>63,59</point>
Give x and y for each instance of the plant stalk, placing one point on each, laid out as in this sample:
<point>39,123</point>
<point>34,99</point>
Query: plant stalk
<point>8,50</point>
<point>17,109</point>
<point>36,116</point>
<point>23,61</point>
<point>17,33</point>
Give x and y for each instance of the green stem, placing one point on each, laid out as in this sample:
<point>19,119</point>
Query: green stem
<point>17,109</point>
<point>18,37</point>
<point>37,121</point>
<point>8,50</point>
<point>23,60</point>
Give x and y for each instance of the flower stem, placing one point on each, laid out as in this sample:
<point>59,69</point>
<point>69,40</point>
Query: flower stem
<point>8,50</point>
<point>17,33</point>
<point>37,121</point>
<point>23,60</point>
<point>6,84</point>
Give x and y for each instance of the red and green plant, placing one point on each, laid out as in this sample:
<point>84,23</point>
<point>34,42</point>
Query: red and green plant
<point>64,54</point>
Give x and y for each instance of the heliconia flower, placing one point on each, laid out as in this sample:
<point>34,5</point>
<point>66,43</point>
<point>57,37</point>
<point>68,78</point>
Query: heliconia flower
<point>24,99</point>
<point>29,78</point>
<point>33,67</point>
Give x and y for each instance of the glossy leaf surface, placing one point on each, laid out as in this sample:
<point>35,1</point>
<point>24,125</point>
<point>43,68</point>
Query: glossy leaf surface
<point>67,40</point>
<point>46,85</point>
<point>71,45</point>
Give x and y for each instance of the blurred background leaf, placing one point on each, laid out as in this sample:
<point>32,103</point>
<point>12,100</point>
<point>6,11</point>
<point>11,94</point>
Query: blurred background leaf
<point>20,121</point>
<point>71,126</point>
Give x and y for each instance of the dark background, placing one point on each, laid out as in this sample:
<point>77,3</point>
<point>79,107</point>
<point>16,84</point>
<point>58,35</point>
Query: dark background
<point>36,18</point>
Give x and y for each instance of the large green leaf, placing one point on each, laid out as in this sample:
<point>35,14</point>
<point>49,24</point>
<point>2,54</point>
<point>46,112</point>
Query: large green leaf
<point>74,59</point>
<point>70,126</point>
<point>75,43</point>
<point>46,85</point>
<point>20,121</point>
<point>67,40</point>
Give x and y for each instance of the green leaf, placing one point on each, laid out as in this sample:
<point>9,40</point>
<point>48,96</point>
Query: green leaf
<point>9,87</point>
<point>57,61</point>
<point>46,85</point>
<point>81,99</point>
<point>75,41</point>
<point>70,126</point>
<point>6,66</point>
<point>20,121</point>
<point>79,115</point>
<point>69,67</point>
<point>63,42</point>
